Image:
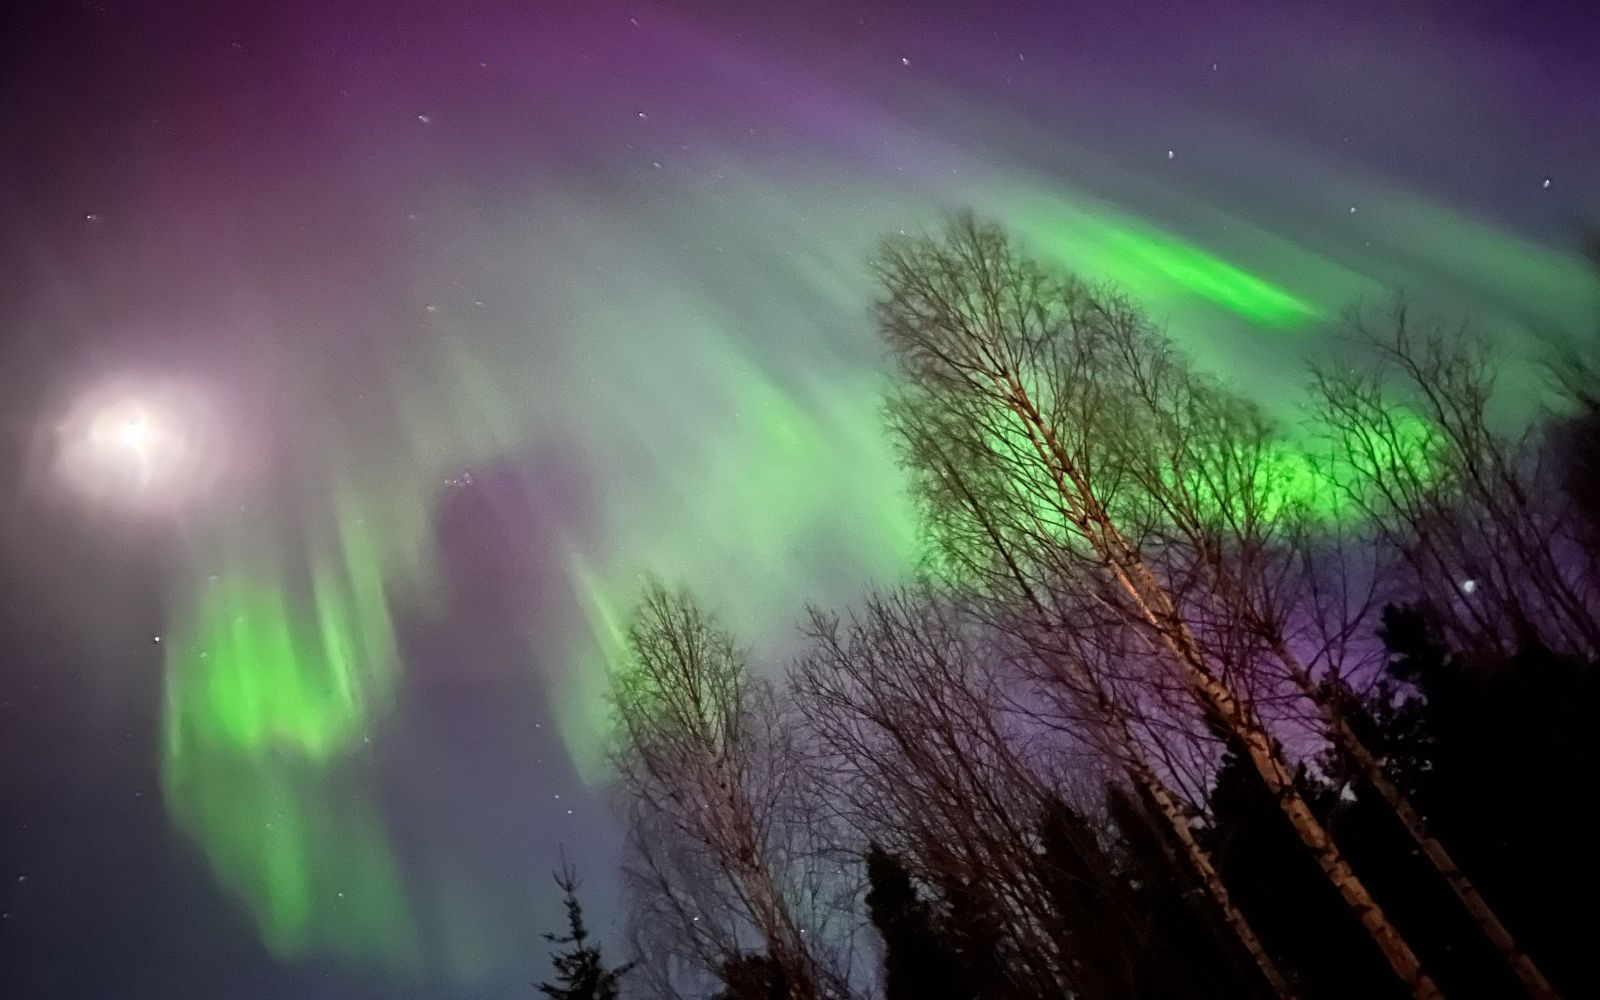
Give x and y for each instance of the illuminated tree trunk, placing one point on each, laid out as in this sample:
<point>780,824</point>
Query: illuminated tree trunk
<point>974,323</point>
<point>1145,777</point>
<point>1346,738</point>
<point>1140,771</point>
<point>1155,605</point>
<point>1192,485</point>
<point>1210,878</point>
<point>1503,530</point>
<point>1349,741</point>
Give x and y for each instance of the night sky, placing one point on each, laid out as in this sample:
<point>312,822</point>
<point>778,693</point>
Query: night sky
<point>356,359</point>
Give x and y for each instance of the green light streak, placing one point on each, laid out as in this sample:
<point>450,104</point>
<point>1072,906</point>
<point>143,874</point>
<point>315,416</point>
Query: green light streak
<point>298,841</point>
<point>1156,267</point>
<point>796,495</point>
<point>271,683</point>
<point>279,672</point>
<point>1294,477</point>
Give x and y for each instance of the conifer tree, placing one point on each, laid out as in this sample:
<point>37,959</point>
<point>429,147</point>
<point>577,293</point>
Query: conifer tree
<point>581,972</point>
<point>973,929</point>
<point>754,977</point>
<point>1473,734</point>
<point>917,961</point>
<point>1199,957</point>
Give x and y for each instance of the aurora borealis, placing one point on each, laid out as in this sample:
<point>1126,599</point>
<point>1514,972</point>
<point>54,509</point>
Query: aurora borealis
<point>496,307</point>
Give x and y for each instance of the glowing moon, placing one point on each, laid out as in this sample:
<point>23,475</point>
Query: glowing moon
<point>139,444</point>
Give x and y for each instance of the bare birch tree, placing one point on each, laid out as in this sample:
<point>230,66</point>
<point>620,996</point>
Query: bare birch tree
<point>717,852</point>
<point>1028,587</point>
<point>942,752</point>
<point>926,761</point>
<point>1002,357</point>
<point>1214,464</point>
<point>1474,514</point>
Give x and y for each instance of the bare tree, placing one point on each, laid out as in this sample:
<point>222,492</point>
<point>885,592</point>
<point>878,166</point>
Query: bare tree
<point>1214,464</point>
<point>1027,588</point>
<point>942,753</point>
<point>717,856</point>
<point>1473,513</point>
<point>925,761</point>
<point>1007,360</point>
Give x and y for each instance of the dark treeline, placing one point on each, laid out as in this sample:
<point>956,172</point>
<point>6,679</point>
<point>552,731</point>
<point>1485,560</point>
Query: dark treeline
<point>1187,700</point>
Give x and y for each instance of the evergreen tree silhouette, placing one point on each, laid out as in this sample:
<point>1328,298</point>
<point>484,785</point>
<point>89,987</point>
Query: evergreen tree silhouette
<point>753,977</point>
<point>1501,750</point>
<point>1280,889</point>
<point>1181,947</point>
<point>581,973</point>
<point>917,961</point>
<point>973,930</point>
<point>1096,930</point>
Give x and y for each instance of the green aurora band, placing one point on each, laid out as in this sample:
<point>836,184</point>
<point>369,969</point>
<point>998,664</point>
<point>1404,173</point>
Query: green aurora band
<point>276,675</point>
<point>282,661</point>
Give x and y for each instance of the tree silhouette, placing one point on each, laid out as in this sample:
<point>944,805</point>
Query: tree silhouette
<point>581,972</point>
<point>753,977</point>
<point>917,964</point>
<point>720,847</point>
<point>1476,735</point>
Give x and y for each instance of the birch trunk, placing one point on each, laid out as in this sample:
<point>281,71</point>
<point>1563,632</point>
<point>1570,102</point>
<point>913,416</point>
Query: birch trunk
<point>1145,777</point>
<point>1500,938</point>
<point>1211,879</point>
<point>1156,607</point>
